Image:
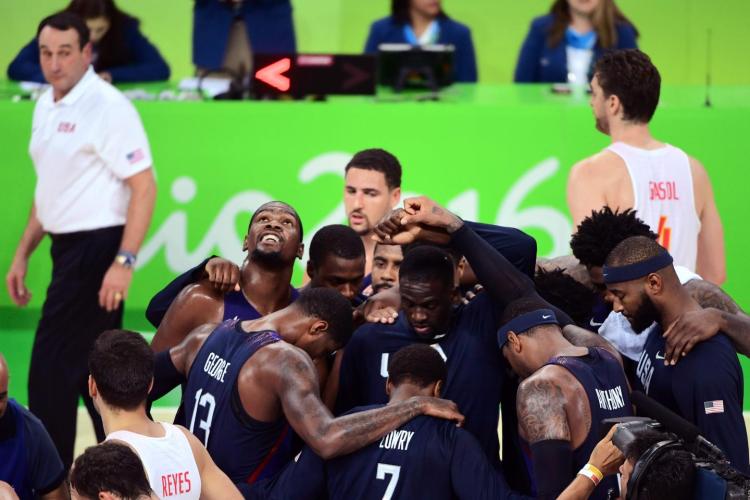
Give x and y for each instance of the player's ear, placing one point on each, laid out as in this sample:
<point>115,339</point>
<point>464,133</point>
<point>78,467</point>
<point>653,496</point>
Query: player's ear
<point>301,251</point>
<point>388,387</point>
<point>437,389</point>
<point>461,268</point>
<point>245,243</point>
<point>514,341</point>
<point>106,495</point>
<point>655,283</point>
<point>310,269</point>
<point>395,196</point>
<point>319,327</point>
<point>92,387</point>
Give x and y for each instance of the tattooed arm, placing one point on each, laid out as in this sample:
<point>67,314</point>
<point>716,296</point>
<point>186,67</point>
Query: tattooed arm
<point>719,314</point>
<point>544,425</point>
<point>292,377</point>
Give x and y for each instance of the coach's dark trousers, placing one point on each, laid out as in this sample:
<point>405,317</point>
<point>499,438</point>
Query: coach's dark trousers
<point>70,323</point>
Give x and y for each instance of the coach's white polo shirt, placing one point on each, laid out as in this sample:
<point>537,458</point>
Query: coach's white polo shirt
<point>83,147</point>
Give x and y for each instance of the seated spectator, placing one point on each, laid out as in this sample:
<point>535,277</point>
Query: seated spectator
<point>224,31</point>
<point>28,459</point>
<point>121,53</point>
<point>564,45</point>
<point>423,22</point>
<point>109,471</point>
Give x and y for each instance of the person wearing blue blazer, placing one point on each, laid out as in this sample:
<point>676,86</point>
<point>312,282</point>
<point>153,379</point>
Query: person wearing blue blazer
<point>121,53</point>
<point>564,45</point>
<point>423,22</point>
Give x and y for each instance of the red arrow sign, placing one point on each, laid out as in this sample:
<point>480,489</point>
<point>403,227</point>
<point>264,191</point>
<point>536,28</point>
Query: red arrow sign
<point>272,74</point>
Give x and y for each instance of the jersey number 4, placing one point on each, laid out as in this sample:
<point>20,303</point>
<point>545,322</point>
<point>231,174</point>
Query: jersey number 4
<point>389,470</point>
<point>205,400</point>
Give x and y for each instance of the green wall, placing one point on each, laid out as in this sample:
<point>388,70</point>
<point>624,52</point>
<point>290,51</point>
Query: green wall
<point>673,32</point>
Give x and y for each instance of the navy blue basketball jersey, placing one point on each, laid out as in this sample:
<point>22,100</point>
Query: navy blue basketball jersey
<point>244,448</point>
<point>475,370</point>
<point>425,458</point>
<point>236,305</point>
<point>705,387</point>
<point>606,387</point>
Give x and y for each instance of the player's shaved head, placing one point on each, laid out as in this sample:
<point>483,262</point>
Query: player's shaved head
<point>634,250</point>
<point>282,206</point>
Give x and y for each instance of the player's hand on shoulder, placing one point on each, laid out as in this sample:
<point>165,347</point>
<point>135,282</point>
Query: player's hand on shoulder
<point>688,330</point>
<point>440,408</point>
<point>223,274</point>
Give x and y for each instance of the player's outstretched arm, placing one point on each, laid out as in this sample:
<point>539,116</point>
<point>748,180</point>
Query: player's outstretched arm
<point>292,377</point>
<point>544,425</point>
<point>215,485</point>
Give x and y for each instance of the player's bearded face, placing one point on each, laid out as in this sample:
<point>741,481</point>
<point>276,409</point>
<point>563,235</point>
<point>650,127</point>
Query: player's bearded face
<point>598,106</point>
<point>643,314</point>
<point>428,306</point>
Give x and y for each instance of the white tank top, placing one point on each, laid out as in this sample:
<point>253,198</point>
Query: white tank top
<point>168,461</point>
<point>663,197</point>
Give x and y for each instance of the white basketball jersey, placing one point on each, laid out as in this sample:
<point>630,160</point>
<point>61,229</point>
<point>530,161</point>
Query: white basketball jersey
<point>168,461</point>
<point>663,197</point>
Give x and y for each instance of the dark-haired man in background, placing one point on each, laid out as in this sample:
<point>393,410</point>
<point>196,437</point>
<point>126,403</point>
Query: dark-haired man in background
<point>253,380</point>
<point>94,196</point>
<point>670,190</point>
<point>372,187</point>
<point>397,465</point>
<point>706,386</point>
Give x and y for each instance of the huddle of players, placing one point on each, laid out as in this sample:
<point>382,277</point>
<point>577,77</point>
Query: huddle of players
<point>252,384</point>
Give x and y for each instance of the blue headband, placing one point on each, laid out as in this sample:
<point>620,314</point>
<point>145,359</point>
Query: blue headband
<point>631,272</point>
<point>526,322</point>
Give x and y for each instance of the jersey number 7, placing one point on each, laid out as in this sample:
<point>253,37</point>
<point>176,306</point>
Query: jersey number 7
<point>393,471</point>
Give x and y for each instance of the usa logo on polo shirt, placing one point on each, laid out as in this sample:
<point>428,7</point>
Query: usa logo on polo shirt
<point>135,156</point>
